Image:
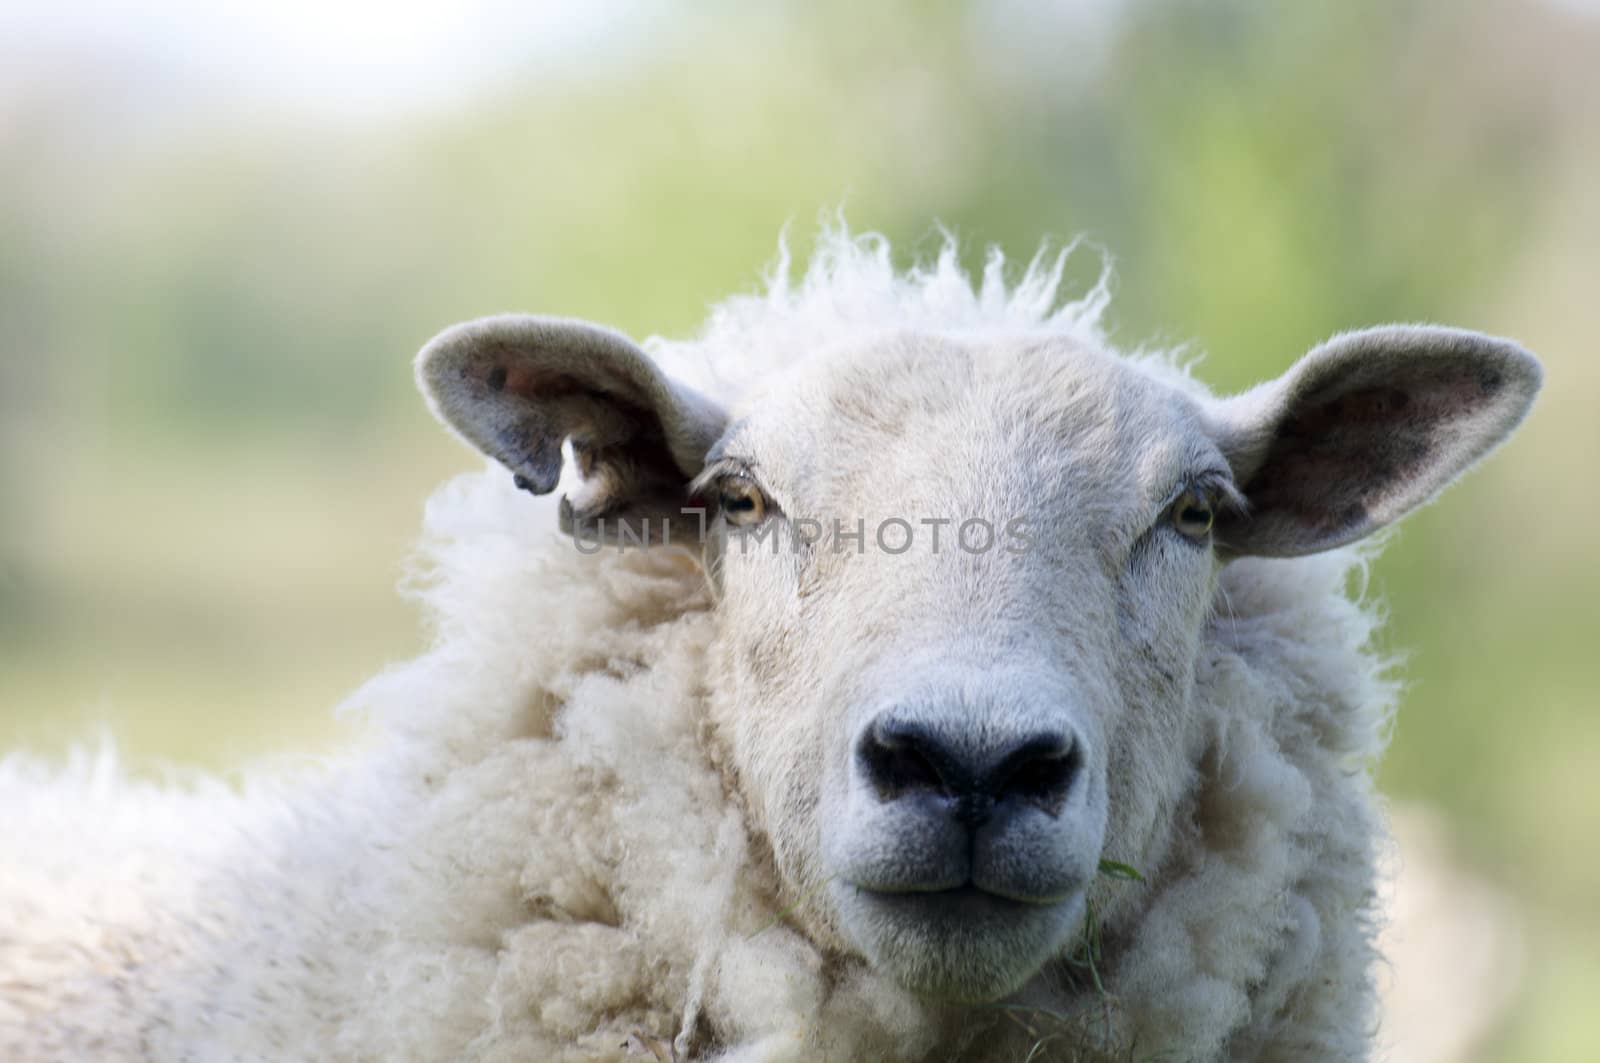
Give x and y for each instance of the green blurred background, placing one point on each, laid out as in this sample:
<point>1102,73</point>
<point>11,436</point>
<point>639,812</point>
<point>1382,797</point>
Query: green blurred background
<point>223,234</point>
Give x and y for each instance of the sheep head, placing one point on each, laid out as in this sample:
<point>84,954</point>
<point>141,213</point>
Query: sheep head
<point>965,583</point>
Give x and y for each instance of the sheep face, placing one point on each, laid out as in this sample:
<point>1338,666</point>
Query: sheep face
<point>943,593</point>
<point>965,585</point>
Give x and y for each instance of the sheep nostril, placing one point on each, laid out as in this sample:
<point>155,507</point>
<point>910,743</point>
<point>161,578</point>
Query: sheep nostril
<point>897,759</point>
<point>1039,778</point>
<point>1041,773</point>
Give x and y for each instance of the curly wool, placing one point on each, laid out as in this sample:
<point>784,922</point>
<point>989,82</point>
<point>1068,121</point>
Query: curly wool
<point>534,854</point>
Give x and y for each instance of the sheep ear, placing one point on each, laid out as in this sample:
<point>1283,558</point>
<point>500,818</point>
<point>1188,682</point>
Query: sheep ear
<point>517,386</point>
<point>1364,429</point>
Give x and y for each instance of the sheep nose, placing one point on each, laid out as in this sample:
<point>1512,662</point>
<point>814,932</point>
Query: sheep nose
<point>903,758</point>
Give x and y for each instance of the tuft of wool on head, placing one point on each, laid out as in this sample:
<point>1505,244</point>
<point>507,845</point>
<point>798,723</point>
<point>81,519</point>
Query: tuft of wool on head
<point>851,289</point>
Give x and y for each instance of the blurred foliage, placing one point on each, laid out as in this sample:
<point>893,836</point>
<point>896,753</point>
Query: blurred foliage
<point>213,459</point>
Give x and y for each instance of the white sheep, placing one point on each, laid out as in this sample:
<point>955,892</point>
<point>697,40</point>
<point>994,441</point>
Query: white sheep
<point>1097,789</point>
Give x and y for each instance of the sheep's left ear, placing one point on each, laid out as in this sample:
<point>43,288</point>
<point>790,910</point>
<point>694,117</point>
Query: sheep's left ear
<point>518,386</point>
<point>1364,429</point>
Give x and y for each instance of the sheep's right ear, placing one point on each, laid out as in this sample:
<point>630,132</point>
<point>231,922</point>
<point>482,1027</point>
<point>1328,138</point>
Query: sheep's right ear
<point>517,386</point>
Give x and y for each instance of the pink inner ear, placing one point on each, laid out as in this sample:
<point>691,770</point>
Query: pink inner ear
<point>510,369</point>
<point>530,382</point>
<point>1337,462</point>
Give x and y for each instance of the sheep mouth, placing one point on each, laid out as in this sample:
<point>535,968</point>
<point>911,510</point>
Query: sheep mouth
<point>967,906</point>
<point>962,944</point>
<point>967,897</point>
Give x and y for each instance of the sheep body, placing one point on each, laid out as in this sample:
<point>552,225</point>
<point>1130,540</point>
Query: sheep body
<point>537,851</point>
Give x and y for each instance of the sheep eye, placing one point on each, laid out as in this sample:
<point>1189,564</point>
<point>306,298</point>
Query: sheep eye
<point>1192,515</point>
<point>741,501</point>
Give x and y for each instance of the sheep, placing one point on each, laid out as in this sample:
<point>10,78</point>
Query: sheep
<point>1093,783</point>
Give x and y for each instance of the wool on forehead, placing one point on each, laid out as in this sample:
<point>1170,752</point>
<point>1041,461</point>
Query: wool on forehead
<point>850,290</point>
